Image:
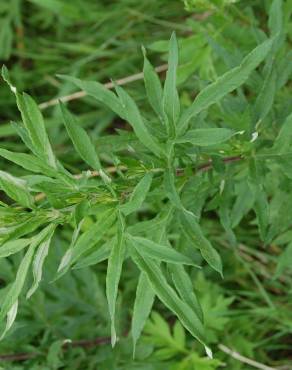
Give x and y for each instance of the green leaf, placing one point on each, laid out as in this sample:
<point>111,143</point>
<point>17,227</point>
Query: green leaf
<point>114,270</point>
<point>206,136</point>
<point>183,285</point>
<point>9,304</point>
<point>171,101</point>
<point>256,182</point>
<point>24,228</point>
<point>28,162</point>
<point>243,203</point>
<point>138,196</point>
<point>284,261</point>
<point>23,134</point>
<point>275,22</point>
<point>125,107</point>
<point>158,334</point>
<point>11,316</point>
<point>153,88</point>
<point>6,39</point>
<point>86,241</point>
<point>261,207</point>
<point>170,189</point>
<point>142,307</point>
<point>148,248</point>
<point>284,70</point>
<point>99,92</point>
<point>13,246</point>
<point>228,82</point>
<point>179,334</point>
<point>196,236</point>
<point>33,122</point>
<point>132,115</point>
<point>39,260</point>
<point>169,297</point>
<point>265,98</point>
<point>17,189</point>
<point>101,254</point>
<point>284,139</point>
<point>80,139</point>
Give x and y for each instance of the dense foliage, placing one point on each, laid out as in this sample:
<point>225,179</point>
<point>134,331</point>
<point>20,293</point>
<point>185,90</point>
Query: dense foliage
<point>146,227</point>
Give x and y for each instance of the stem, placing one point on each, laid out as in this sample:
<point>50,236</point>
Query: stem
<point>179,172</point>
<point>243,359</point>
